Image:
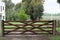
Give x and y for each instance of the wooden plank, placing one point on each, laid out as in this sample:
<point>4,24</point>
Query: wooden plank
<point>28,33</point>
<point>26,25</point>
<point>32,21</point>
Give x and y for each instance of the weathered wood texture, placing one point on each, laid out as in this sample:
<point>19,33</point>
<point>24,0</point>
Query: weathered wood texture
<point>29,27</point>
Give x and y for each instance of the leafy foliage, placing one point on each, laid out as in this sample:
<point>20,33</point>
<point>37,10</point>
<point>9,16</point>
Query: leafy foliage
<point>12,10</point>
<point>34,8</point>
<point>9,9</point>
<point>22,15</point>
<point>17,7</point>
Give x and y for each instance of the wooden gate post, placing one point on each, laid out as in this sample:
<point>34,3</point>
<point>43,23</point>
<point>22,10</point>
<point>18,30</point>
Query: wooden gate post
<point>54,27</point>
<point>3,28</point>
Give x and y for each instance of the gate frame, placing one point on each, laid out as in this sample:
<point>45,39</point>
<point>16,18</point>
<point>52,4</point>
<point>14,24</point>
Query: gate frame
<point>53,27</point>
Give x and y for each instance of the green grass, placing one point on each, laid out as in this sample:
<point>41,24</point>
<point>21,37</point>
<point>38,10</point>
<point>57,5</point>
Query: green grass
<point>56,37</point>
<point>58,29</point>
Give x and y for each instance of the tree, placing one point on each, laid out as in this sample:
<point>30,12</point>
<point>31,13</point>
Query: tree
<point>17,7</point>
<point>34,8</point>
<point>22,15</point>
<point>9,8</point>
<point>58,1</point>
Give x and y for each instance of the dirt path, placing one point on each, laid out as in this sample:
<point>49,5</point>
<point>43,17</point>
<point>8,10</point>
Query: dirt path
<point>36,37</point>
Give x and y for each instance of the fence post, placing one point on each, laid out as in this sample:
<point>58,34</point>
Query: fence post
<point>0,28</point>
<point>3,28</point>
<point>54,27</point>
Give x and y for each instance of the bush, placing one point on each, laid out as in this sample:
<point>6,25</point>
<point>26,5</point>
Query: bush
<point>22,15</point>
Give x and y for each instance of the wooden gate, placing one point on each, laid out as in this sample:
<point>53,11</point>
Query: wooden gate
<point>28,27</point>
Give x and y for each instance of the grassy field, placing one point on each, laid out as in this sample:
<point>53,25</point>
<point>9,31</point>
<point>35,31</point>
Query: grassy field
<point>56,37</point>
<point>51,17</point>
